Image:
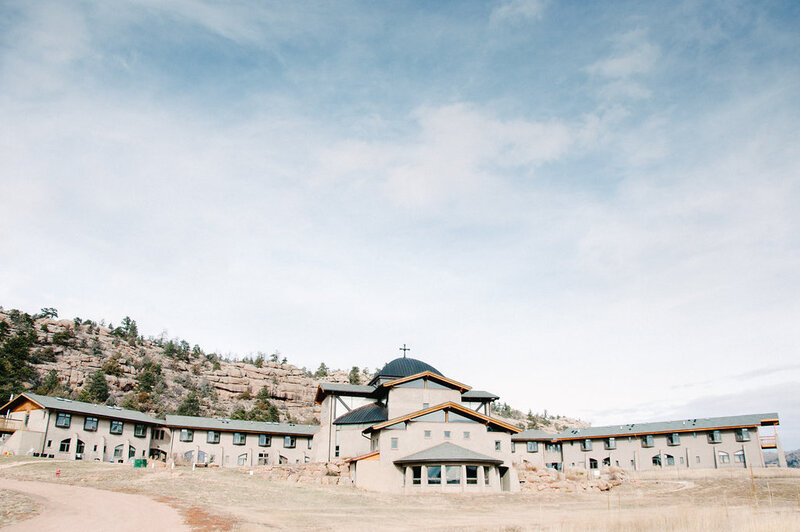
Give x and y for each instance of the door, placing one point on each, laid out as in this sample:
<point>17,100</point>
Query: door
<point>79,450</point>
<point>505,478</point>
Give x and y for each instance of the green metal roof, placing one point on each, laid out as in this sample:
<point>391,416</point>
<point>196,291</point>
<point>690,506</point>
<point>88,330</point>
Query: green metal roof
<point>371,413</point>
<point>448,453</point>
<point>403,367</point>
<point>478,395</point>
<point>238,425</point>
<point>634,429</point>
<point>89,409</point>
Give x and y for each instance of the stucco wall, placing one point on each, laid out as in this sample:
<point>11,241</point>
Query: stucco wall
<point>226,454</point>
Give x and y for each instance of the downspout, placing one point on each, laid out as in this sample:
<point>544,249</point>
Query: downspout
<point>46,428</point>
<point>330,425</point>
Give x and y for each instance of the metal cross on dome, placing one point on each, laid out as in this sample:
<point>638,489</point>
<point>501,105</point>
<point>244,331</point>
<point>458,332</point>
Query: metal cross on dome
<point>404,349</point>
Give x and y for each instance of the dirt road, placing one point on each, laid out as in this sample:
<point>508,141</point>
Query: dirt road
<point>68,508</point>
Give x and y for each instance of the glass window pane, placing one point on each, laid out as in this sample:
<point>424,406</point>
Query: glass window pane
<point>472,474</point>
<point>453,474</point>
<point>434,474</point>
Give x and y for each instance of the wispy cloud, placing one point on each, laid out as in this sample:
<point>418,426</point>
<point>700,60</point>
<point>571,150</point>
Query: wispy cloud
<point>517,11</point>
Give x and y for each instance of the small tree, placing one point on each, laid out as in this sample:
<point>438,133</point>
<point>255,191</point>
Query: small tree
<point>322,371</point>
<point>355,375</point>
<point>48,312</point>
<point>259,361</point>
<point>190,406</point>
<point>96,390</point>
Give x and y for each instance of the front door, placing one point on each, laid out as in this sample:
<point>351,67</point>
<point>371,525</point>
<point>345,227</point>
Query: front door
<point>79,450</point>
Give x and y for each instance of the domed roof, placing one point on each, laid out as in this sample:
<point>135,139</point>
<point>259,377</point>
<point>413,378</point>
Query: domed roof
<point>403,367</point>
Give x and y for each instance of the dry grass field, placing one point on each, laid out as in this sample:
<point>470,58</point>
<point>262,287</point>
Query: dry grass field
<point>214,499</point>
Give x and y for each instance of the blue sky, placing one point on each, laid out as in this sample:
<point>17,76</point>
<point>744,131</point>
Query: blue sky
<point>585,208</point>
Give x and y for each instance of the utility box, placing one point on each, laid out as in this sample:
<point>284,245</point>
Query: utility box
<point>139,462</point>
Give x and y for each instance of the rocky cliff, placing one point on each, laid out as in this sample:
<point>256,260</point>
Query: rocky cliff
<point>86,360</point>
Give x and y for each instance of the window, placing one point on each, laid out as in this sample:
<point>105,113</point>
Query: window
<point>513,447</point>
<point>714,437</point>
<point>553,447</point>
<point>116,427</point>
<point>453,474</point>
<point>673,439</point>
<point>472,475</point>
<point>586,445</point>
<point>742,434</point>
<point>239,438</point>
<point>263,458</point>
<point>698,459</point>
<point>131,451</point>
<point>427,434</point>
<point>648,440</point>
<point>738,457</point>
<point>486,475</point>
<point>64,446</point>
<point>681,460</point>
<point>157,434</point>
<point>289,442</point>
<point>425,405</point>
<point>90,424</point>
<point>434,474</point>
<point>212,436</point>
<point>497,445</point>
<point>724,458</point>
<point>187,435</point>
<point>242,459</point>
<point>533,447</point>
<point>308,443</point>
<point>447,435</point>
<point>139,430</point>
<point>657,460</point>
<point>592,463</point>
<point>265,440</point>
<point>63,420</point>
<point>611,444</point>
<point>118,451</point>
<point>416,475</point>
<point>466,435</point>
<point>670,459</point>
<point>394,443</point>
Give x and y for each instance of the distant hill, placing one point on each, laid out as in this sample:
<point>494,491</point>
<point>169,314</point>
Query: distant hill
<point>98,362</point>
<point>792,458</point>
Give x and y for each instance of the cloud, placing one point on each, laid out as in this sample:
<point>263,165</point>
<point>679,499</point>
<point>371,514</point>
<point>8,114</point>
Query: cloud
<point>633,54</point>
<point>455,151</point>
<point>514,11</point>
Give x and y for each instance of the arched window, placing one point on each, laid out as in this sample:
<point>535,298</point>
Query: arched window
<point>670,459</point>
<point>242,460</point>
<point>131,451</point>
<point>738,457</point>
<point>657,460</point>
<point>118,451</point>
<point>64,445</point>
<point>724,458</point>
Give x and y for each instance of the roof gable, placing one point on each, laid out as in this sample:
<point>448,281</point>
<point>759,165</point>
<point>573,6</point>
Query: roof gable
<point>448,452</point>
<point>461,410</point>
<point>427,375</point>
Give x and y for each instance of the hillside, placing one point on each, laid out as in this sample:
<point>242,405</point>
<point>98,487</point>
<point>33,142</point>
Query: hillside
<point>91,361</point>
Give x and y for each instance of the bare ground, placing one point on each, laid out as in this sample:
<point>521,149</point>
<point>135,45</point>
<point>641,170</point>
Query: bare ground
<point>225,499</point>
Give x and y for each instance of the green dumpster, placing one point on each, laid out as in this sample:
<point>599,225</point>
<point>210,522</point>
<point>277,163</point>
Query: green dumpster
<point>140,462</point>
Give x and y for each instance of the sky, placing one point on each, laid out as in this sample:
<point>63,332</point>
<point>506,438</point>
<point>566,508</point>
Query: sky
<point>586,208</point>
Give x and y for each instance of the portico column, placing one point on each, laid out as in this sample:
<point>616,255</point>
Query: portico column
<point>409,476</point>
<point>481,478</point>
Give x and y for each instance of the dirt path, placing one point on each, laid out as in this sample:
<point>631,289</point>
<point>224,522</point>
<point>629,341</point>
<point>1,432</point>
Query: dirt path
<point>68,508</point>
